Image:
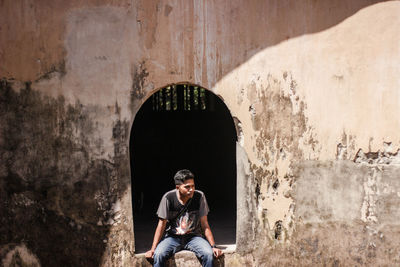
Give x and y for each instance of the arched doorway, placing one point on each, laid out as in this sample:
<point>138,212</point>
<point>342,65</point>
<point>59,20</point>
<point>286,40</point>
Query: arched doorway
<point>183,127</point>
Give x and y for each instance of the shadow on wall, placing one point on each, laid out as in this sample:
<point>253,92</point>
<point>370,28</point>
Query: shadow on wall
<point>219,36</point>
<point>56,197</point>
<point>271,22</point>
<point>240,28</point>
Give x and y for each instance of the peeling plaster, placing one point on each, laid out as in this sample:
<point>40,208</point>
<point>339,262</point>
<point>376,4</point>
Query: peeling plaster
<point>316,171</point>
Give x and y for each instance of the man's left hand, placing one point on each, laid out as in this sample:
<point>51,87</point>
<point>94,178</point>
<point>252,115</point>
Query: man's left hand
<point>217,252</point>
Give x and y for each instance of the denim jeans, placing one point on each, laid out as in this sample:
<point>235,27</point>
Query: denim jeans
<point>172,244</point>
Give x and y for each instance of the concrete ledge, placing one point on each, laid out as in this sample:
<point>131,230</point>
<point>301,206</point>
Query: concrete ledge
<point>187,258</point>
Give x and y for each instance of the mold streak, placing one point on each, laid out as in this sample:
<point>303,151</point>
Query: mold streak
<point>51,180</point>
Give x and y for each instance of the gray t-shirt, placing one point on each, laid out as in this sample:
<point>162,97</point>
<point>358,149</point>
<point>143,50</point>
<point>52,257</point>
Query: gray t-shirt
<point>189,221</point>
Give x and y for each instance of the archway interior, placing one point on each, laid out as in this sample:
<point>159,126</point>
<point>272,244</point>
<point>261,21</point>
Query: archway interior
<point>183,127</point>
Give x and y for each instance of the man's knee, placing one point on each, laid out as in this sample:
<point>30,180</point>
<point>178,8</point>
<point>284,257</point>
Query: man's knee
<point>207,257</point>
<point>165,249</point>
<point>161,255</point>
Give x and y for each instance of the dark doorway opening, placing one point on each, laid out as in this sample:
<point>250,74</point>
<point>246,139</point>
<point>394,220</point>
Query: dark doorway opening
<point>183,127</point>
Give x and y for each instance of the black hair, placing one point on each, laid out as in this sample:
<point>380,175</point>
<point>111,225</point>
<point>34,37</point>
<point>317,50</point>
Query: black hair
<point>183,175</point>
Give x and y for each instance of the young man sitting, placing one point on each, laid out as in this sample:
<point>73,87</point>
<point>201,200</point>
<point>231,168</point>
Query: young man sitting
<point>183,217</point>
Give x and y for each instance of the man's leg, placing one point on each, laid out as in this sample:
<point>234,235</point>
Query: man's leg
<point>165,249</point>
<point>202,249</point>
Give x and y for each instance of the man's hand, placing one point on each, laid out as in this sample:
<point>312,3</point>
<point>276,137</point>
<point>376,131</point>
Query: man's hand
<point>217,252</point>
<point>157,237</point>
<point>149,254</point>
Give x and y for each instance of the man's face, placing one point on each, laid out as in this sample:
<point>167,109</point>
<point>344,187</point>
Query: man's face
<point>187,188</point>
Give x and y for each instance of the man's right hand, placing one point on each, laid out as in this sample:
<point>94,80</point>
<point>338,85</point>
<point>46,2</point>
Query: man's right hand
<point>157,237</point>
<point>149,254</point>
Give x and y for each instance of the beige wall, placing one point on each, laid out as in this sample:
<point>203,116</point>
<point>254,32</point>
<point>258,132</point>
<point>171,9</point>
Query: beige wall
<point>311,83</point>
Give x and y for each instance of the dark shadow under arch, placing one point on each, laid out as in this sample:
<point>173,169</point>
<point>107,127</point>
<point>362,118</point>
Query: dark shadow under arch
<point>166,137</point>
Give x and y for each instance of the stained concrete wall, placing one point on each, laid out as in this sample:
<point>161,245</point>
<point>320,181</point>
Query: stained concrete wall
<point>312,85</point>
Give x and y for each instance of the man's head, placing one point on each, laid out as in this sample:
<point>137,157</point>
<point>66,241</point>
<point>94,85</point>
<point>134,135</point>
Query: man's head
<point>182,175</point>
<point>184,182</point>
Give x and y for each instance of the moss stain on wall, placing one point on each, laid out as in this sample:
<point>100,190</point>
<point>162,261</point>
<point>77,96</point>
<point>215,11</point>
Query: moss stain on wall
<point>56,195</point>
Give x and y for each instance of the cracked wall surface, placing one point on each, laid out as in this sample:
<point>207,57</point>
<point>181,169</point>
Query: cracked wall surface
<point>312,87</point>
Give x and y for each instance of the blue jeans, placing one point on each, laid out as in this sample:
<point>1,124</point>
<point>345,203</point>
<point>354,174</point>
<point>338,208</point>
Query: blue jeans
<point>172,244</point>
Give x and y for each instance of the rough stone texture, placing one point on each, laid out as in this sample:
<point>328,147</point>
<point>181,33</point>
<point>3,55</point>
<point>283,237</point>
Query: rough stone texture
<point>58,195</point>
<point>331,191</point>
<point>19,256</point>
<point>345,191</point>
<point>312,85</point>
<point>246,206</point>
<point>353,205</point>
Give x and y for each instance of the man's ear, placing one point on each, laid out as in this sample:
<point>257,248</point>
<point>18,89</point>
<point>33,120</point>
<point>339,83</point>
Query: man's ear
<point>177,186</point>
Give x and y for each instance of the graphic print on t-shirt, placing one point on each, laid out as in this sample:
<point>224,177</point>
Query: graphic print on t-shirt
<point>189,221</point>
<point>185,223</point>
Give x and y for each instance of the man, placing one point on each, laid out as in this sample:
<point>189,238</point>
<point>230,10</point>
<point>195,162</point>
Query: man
<point>183,216</point>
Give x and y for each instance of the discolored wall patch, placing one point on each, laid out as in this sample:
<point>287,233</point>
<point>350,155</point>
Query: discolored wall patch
<point>280,132</point>
<point>54,176</point>
<point>351,201</point>
<point>278,118</point>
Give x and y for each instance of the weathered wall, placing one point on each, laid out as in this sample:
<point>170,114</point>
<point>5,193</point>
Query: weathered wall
<point>313,87</point>
<point>59,197</point>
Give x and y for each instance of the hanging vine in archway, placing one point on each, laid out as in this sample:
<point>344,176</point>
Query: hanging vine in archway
<point>180,97</point>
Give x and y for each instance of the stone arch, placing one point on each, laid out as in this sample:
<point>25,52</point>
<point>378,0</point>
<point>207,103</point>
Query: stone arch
<point>164,140</point>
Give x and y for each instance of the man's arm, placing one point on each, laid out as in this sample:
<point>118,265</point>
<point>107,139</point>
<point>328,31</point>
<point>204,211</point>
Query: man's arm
<point>157,237</point>
<point>210,238</point>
